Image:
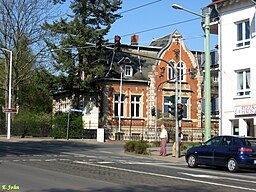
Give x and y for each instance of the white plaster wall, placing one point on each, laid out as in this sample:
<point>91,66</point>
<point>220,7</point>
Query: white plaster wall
<point>235,59</point>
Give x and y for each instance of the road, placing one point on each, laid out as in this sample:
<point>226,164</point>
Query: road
<point>58,166</point>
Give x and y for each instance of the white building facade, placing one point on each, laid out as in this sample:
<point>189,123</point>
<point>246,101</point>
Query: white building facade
<point>236,31</point>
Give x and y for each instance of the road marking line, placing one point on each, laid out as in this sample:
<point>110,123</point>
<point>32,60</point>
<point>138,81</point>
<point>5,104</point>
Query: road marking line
<point>143,163</point>
<point>34,160</point>
<point>50,159</point>
<point>167,176</point>
<point>216,177</point>
<point>3,161</point>
<point>64,159</point>
<point>63,155</point>
<point>106,152</point>
<point>77,154</point>
<point>105,162</point>
<point>201,176</point>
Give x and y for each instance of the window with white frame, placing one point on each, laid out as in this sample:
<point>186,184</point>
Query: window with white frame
<point>243,33</point>
<point>243,82</point>
<point>119,105</point>
<point>184,101</point>
<point>171,74</point>
<point>128,70</point>
<point>181,71</point>
<point>135,106</point>
<point>167,102</point>
<point>215,105</point>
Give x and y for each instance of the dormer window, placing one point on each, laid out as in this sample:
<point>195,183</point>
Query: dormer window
<point>128,70</point>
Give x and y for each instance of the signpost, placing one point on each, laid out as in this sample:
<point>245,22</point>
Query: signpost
<point>11,110</point>
<point>76,110</point>
<point>9,95</point>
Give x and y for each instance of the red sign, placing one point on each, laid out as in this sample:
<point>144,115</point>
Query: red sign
<point>12,110</point>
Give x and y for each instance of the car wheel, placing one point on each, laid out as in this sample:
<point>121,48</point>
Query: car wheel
<point>192,161</point>
<point>232,165</point>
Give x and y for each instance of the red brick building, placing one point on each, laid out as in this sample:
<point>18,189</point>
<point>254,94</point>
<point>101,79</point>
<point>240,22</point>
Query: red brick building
<point>149,83</point>
<point>141,79</point>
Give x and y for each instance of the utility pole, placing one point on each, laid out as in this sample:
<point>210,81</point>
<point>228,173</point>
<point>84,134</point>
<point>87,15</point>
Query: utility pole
<point>207,86</point>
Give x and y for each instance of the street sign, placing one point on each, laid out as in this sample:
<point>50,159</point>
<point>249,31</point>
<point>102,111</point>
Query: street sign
<point>11,110</point>
<point>76,110</point>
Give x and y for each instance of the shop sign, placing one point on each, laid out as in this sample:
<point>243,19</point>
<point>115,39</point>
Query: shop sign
<point>245,110</point>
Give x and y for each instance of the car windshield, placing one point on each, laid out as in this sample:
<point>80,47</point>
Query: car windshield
<point>213,141</point>
<point>250,142</point>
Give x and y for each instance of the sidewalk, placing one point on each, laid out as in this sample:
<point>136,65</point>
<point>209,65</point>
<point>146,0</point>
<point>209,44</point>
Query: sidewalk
<point>154,154</point>
<point>154,151</point>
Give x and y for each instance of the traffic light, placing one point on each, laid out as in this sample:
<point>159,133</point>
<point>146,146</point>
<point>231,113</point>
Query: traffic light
<point>172,109</point>
<point>192,73</point>
<point>153,111</point>
<point>99,43</point>
<point>117,43</point>
<point>180,111</point>
<point>171,105</point>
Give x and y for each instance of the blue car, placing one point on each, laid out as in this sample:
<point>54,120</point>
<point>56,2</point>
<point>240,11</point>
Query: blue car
<point>232,152</point>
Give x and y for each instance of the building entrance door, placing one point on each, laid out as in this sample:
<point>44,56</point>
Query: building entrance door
<point>250,127</point>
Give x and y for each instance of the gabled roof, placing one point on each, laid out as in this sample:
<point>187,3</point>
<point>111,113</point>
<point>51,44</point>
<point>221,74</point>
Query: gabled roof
<point>216,2</point>
<point>161,42</point>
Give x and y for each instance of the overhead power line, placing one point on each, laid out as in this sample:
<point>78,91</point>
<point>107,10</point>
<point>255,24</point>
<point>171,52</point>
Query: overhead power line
<point>156,28</point>
<point>141,6</point>
<point>161,27</point>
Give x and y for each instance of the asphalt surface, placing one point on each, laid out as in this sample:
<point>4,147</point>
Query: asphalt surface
<point>153,151</point>
<point>58,165</point>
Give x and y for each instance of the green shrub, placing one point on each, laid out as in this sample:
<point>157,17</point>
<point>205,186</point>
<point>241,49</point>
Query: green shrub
<point>27,123</point>
<point>141,147</point>
<point>130,146</point>
<point>138,147</point>
<point>60,123</point>
<point>188,145</point>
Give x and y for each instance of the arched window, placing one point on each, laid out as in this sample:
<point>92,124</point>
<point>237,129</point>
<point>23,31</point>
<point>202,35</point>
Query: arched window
<point>171,74</point>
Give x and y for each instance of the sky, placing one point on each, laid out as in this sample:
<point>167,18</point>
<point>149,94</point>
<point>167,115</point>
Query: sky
<point>159,19</point>
<point>153,19</point>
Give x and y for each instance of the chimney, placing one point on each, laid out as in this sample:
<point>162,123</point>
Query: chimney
<point>135,40</point>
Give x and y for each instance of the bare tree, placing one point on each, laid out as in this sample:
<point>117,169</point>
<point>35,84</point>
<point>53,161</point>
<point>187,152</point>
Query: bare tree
<point>21,32</point>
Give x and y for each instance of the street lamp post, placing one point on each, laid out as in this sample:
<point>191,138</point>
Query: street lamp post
<point>9,96</point>
<point>207,87</point>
